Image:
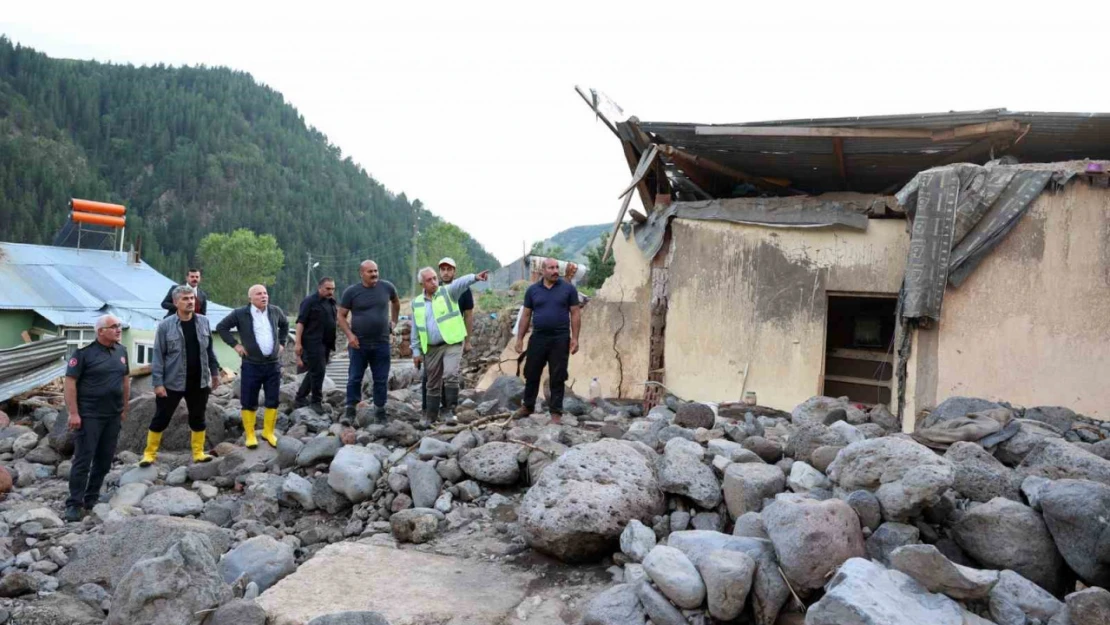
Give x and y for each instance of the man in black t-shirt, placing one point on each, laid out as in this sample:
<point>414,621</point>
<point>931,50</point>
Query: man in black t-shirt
<point>374,308</point>
<point>447,272</point>
<point>315,343</point>
<point>97,388</point>
<point>184,367</point>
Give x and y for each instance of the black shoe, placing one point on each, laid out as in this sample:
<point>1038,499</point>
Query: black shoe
<point>380,416</point>
<point>316,407</point>
<point>74,514</point>
<point>349,416</point>
<point>300,402</point>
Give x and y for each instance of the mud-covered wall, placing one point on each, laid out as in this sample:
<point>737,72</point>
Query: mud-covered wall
<point>1031,325</point>
<point>752,297</point>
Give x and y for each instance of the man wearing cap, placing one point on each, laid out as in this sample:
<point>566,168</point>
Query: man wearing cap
<point>439,334</point>
<point>447,269</point>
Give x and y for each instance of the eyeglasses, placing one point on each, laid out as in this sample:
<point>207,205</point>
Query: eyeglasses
<point>114,326</point>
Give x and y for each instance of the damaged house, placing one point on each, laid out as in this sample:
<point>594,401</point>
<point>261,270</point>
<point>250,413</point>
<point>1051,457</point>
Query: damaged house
<point>895,260</point>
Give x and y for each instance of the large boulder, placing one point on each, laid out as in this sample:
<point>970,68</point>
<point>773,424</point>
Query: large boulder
<point>173,501</point>
<point>176,437</point>
<point>728,578</point>
<point>1057,459</point>
<point>694,415</point>
<point>1015,599</point>
<point>676,576</point>
<point>747,484</point>
<point>1089,607</point>
<point>815,409</point>
<point>493,463</point>
<point>507,391</point>
<point>262,560</point>
<point>1076,513</point>
<point>980,476</point>
<point>424,484</point>
<point>956,407</point>
<point>812,538</point>
<point>864,593</point>
<point>682,472</point>
<point>920,487</point>
<point>319,449</point>
<point>808,437</point>
<point>1004,534</point>
<point>175,588</point>
<point>105,558</point>
<point>353,472</point>
<point>618,605</point>
<point>578,507</point>
<point>871,463</point>
<point>1029,434</point>
<point>931,569</point>
<point>1058,417</point>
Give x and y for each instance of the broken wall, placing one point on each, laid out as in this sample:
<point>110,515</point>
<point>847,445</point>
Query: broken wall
<point>745,296</point>
<point>1031,325</point>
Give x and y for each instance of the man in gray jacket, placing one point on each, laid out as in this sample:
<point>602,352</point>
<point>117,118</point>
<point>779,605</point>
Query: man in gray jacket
<point>184,367</point>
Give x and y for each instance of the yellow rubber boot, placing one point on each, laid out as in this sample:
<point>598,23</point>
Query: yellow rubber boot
<point>269,420</point>
<point>197,439</point>
<point>248,427</point>
<point>150,454</point>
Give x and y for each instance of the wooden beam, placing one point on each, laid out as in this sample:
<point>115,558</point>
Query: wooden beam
<point>593,106</point>
<point>843,379</point>
<point>946,134</point>
<point>685,159</point>
<point>641,169</point>
<point>646,197</point>
<point>838,151</point>
<point>645,162</point>
<point>859,354</point>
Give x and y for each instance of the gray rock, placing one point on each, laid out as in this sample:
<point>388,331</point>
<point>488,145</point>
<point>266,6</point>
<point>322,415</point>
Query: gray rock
<point>139,474</point>
<point>1015,599</point>
<point>350,618</point>
<point>735,452</point>
<point>864,593</point>
<point>680,520</point>
<point>823,456</point>
<point>354,471</point>
<point>424,484</point>
<point>708,521</point>
<point>178,476</point>
<point>956,407</point>
<point>816,409</point>
<point>174,501</point>
<point>675,575</point>
<point>493,463</point>
<point>416,525</point>
<point>1004,534</point>
<point>637,540</point>
<point>767,450</point>
<point>469,490</point>
<point>672,432</point>
<point>128,495</point>
<point>239,612</point>
<point>658,608</point>
<point>750,524</point>
<point>319,449</point>
<point>507,391</point>
<point>867,508</point>
<point>937,573</point>
<point>1058,417</point>
<point>919,488</point>
<point>435,448</point>
<point>728,578</point>
<point>17,584</point>
<point>579,506</point>
<point>297,489</point>
<point>221,511</point>
<point>43,516</point>
<point>92,594</point>
<point>1033,487</point>
<point>645,431</point>
<point>871,463</point>
<point>1057,459</point>
<point>617,606</point>
<point>43,455</point>
<point>694,415</point>
<point>55,609</point>
<point>326,498</point>
<point>1076,513</point>
<point>850,433</point>
<point>881,416</point>
<point>288,448</point>
<point>746,485</point>
<point>1089,607</point>
<point>888,537</point>
<point>203,471</point>
<point>979,475</point>
<point>261,560</point>
<point>1029,435</point>
<point>812,538</point>
<point>682,472</point>
<point>173,588</point>
<point>810,436</point>
<point>804,478</point>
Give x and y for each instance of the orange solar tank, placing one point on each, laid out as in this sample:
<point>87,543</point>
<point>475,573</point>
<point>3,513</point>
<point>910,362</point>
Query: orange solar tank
<point>102,208</point>
<point>100,220</point>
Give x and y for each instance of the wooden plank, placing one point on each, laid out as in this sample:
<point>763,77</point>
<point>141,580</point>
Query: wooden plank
<point>645,161</point>
<point>686,159</point>
<point>838,150</point>
<point>641,169</point>
<point>945,134</point>
<point>861,381</point>
<point>860,354</point>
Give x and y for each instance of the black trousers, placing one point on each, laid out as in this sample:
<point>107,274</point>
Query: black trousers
<point>552,351</point>
<point>94,448</point>
<point>265,377</point>
<point>196,399</point>
<point>315,359</point>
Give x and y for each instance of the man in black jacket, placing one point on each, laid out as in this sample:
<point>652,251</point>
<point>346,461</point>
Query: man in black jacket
<point>192,278</point>
<point>263,330</point>
<point>315,343</point>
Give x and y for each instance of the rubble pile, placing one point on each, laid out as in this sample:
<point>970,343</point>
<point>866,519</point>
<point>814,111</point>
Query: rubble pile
<point>703,513</point>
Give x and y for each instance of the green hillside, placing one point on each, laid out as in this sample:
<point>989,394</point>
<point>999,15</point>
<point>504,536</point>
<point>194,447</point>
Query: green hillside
<point>575,241</point>
<point>189,151</point>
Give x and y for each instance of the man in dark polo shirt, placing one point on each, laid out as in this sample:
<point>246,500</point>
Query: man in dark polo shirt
<point>374,309</point>
<point>551,309</point>
<point>315,343</point>
<point>97,390</point>
<point>447,272</point>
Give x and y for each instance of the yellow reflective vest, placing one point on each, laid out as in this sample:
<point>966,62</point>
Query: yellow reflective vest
<point>449,319</point>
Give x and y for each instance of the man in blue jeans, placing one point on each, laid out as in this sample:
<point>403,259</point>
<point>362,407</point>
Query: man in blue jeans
<point>373,307</point>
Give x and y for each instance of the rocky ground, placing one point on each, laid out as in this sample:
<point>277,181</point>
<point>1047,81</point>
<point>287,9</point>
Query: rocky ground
<point>692,513</point>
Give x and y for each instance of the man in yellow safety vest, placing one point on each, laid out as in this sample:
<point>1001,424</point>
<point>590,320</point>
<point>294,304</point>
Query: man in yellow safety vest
<point>437,341</point>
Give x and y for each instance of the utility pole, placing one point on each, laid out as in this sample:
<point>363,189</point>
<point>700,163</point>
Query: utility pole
<point>415,237</point>
<point>308,275</point>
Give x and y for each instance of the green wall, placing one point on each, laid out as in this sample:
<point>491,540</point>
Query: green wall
<point>227,356</point>
<point>12,325</point>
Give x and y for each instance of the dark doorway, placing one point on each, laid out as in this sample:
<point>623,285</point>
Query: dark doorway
<point>859,358</point>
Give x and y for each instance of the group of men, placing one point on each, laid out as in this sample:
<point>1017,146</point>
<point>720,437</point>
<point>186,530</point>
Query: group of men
<point>184,364</point>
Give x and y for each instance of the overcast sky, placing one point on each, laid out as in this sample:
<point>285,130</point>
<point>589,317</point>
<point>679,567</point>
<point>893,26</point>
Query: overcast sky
<point>473,110</point>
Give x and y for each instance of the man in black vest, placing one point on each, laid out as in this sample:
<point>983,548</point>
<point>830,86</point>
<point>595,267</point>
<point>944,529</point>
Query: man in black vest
<point>192,278</point>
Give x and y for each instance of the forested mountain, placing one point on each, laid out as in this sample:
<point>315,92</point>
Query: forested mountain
<point>189,151</point>
<point>577,240</point>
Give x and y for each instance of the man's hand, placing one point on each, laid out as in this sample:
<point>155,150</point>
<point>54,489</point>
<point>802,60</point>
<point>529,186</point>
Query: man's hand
<point>123,415</point>
<point>417,361</point>
<point>520,345</point>
<point>242,351</point>
<point>160,391</point>
<point>215,382</point>
<point>299,349</point>
<point>466,345</point>
<point>74,421</point>
<point>281,350</point>
<point>573,345</point>
<point>352,341</point>
<point>482,277</point>
<point>300,362</point>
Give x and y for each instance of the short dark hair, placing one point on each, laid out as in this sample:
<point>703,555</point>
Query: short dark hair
<point>192,270</point>
<point>323,280</point>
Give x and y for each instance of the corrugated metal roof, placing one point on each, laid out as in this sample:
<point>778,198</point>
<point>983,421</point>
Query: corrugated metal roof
<point>30,356</point>
<point>72,287</point>
<point>32,379</point>
<point>875,165</point>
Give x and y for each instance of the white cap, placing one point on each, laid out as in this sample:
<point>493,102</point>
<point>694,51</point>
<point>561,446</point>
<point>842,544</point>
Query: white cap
<point>447,261</point>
